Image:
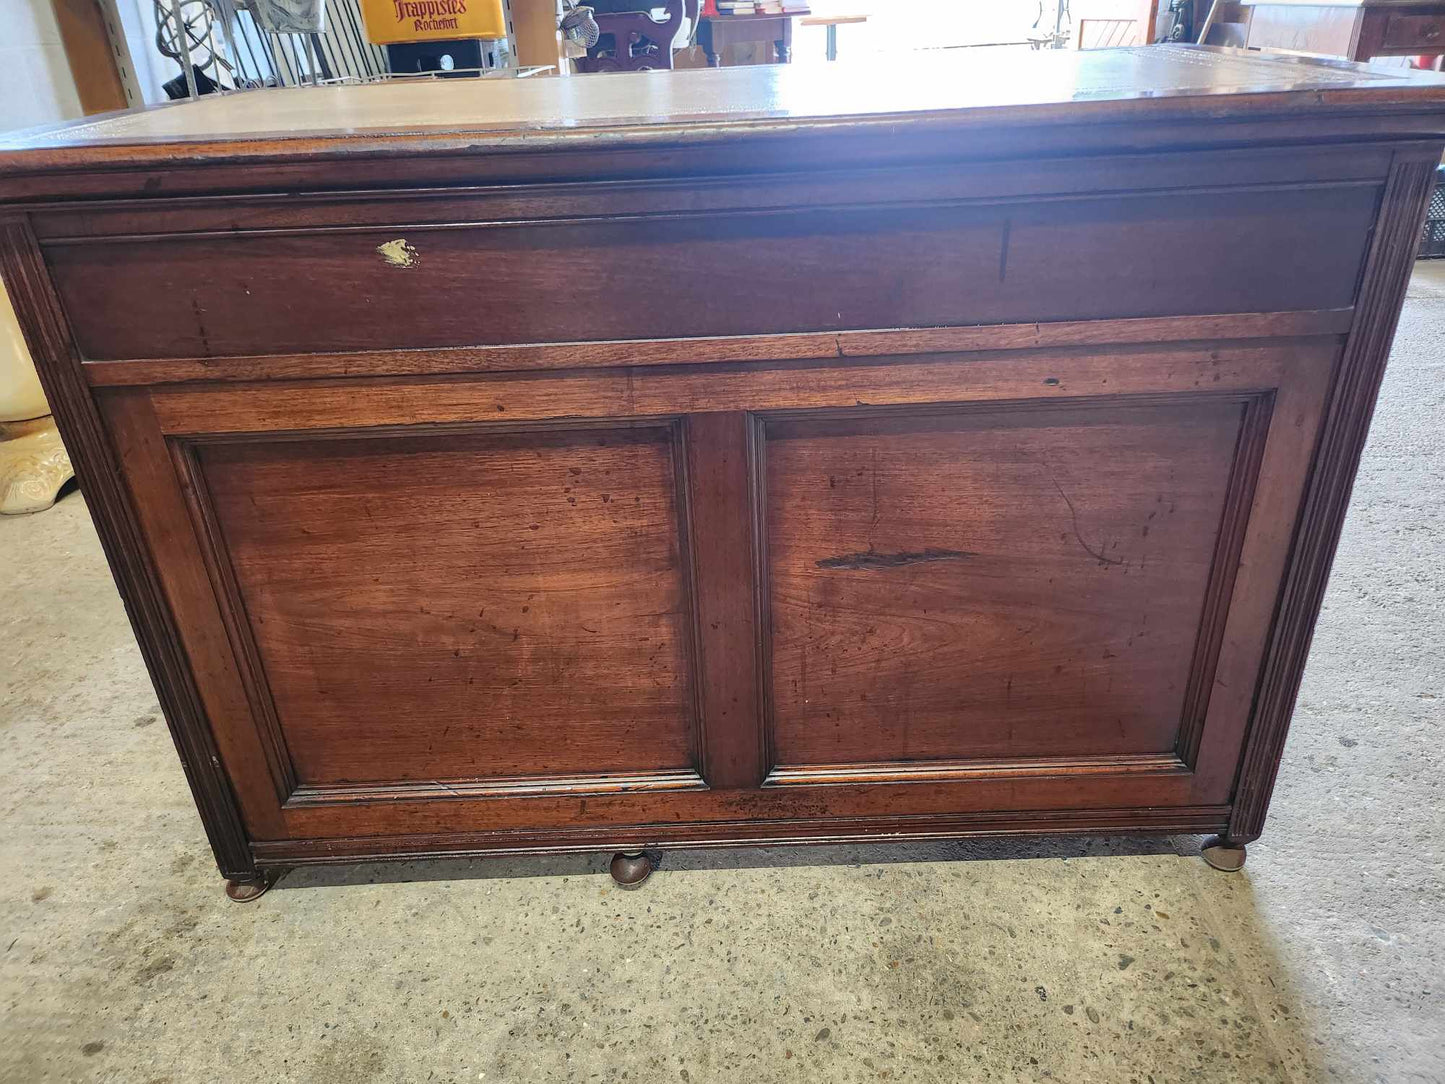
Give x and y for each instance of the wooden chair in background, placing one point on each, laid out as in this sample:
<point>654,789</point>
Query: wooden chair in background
<point>637,40</point>
<point>1106,33</point>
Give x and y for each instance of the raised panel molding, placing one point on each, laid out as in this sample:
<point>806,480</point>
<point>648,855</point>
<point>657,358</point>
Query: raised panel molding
<point>1321,519</point>
<point>98,468</point>
<point>1253,420</point>
<point>1109,347</point>
<point>293,791</point>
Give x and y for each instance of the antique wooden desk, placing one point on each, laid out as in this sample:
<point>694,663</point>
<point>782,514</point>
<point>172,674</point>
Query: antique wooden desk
<point>974,466</point>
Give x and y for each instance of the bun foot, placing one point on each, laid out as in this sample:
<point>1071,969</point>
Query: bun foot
<point>1220,855</point>
<point>248,890</point>
<point>631,868</point>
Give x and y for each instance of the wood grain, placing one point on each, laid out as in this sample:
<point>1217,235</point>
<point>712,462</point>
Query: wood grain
<point>775,118</point>
<point>1009,582</point>
<point>723,527</point>
<point>90,55</point>
<point>669,476</point>
<point>712,350</point>
<point>928,182</point>
<point>872,267</point>
<point>305,852</point>
<point>620,392</point>
<point>1342,440</point>
<point>528,587</point>
<point>43,324</point>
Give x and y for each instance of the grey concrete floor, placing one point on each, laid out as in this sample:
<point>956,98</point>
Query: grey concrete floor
<point>1070,960</point>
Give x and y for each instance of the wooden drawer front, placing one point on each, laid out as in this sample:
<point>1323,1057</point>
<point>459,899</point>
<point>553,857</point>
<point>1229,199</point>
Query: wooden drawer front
<point>441,613</point>
<point>1017,582</point>
<point>1422,32</point>
<point>284,292</point>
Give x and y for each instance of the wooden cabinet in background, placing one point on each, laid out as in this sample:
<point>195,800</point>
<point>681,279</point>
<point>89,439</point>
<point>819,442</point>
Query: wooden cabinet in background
<point>1354,29</point>
<point>719,457</point>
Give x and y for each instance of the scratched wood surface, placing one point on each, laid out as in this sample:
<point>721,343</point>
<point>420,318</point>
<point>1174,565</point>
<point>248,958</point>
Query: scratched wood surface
<point>1008,583</point>
<point>526,592</point>
<point>840,467</point>
<point>801,270</point>
<point>1135,79</point>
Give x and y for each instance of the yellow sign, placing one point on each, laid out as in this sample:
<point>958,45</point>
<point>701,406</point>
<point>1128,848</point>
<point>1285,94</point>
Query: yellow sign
<point>389,22</point>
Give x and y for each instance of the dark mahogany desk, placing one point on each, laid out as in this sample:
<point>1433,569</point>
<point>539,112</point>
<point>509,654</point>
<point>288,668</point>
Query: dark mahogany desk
<point>975,465</point>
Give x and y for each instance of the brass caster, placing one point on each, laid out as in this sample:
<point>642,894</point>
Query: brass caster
<point>249,890</point>
<point>631,868</point>
<point>1221,856</point>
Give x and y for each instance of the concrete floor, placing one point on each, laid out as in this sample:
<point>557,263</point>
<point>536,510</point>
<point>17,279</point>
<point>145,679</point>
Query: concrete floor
<point>1068,960</point>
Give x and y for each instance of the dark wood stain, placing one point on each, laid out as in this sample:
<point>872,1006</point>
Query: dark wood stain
<point>873,561</point>
<point>787,479</point>
<point>488,283</point>
<point>1041,642</point>
<point>409,553</point>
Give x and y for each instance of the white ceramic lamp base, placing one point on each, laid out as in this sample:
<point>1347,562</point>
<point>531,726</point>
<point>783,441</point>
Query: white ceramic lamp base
<point>33,465</point>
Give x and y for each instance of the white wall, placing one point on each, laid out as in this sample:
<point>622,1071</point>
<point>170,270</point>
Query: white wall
<point>902,26</point>
<point>35,88</point>
<point>138,26</point>
<point>35,83</point>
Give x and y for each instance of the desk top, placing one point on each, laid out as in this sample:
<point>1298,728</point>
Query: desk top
<point>959,103</point>
<point>1139,80</point>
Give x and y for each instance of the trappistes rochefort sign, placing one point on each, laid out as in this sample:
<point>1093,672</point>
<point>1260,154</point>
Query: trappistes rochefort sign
<point>427,15</point>
<point>391,21</point>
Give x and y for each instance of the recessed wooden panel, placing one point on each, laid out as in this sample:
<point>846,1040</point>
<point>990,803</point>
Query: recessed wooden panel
<point>1025,581</point>
<point>460,606</point>
<point>1261,249</point>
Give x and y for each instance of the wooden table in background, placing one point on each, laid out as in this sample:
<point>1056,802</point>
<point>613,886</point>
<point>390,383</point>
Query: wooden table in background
<point>832,22</point>
<point>716,32</point>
